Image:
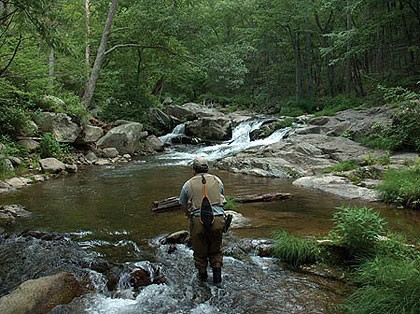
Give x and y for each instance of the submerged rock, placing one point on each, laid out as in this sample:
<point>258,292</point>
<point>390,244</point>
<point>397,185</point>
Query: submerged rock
<point>42,294</point>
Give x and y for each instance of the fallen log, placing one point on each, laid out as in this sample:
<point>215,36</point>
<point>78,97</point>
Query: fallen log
<point>262,197</point>
<point>172,203</point>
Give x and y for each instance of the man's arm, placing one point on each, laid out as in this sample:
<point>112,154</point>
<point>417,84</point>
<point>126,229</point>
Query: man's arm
<point>184,198</point>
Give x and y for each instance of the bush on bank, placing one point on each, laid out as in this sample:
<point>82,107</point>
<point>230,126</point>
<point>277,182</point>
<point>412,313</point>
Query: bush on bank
<point>402,187</point>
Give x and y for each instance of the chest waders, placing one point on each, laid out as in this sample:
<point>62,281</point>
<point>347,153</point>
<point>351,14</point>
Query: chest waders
<point>206,211</point>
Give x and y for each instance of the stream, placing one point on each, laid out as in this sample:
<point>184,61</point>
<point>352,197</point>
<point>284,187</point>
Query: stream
<point>106,212</point>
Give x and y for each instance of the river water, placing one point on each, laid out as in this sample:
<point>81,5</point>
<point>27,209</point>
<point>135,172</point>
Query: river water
<point>107,210</point>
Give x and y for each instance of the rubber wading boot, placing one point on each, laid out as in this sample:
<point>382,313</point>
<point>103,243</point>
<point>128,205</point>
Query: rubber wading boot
<point>217,277</point>
<point>202,276</point>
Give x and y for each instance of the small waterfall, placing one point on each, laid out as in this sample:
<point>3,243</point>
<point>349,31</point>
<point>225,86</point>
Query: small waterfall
<point>178,131</point>
<point>182,155</point>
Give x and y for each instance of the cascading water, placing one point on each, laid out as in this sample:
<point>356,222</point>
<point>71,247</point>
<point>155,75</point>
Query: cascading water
<point>182,155</point>
<point>178,131</point>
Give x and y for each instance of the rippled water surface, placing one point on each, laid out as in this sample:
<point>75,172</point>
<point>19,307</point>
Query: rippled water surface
<point>107,210</point>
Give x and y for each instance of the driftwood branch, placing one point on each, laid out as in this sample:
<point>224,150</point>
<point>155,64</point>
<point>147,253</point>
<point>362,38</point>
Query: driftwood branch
<point>172,203</point>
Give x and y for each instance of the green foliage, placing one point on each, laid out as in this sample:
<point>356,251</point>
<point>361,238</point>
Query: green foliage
<point>343,166</point>
<point>368,159</point>
<point>10,148</point>
<point>49,147</point>
<point>13,118</point>
<point>126,109</point>
<point>331,105</point>
<point>231,203</point>
<point>388,286</point>
<point>357,229</point>
<point>396,246</point>
<point>293,250</point>
<point>402,186</point>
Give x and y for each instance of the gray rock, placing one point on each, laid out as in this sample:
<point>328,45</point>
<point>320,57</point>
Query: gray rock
<point>339,186</point>
<point>319,120</point>
<point>52,165</point>
<point>17,211</point>
<point>404,158</point>
<point>38,178</point>
<point>31,129</point>
<point>309,130</point>
<point>238,220</point>
<point>59,125</point>
<point>125,138</point>
<point>71,168</point>
<point>7,164</point>
<point>102,162</point>
<point>41,295</point>
<point>212,129</point>
<point>181,113</point>
<point>120,122</point>
<point>110,152</point>
<point>90,134</point>
<point>15,161</point>
<point>127,156</point>
<point>18,182</point>
<point>153,144</point>
<point>179,237</point>
<point>29,145</point>
<point>91,157</point>
<point>4,185</point>
<point>160,120</point>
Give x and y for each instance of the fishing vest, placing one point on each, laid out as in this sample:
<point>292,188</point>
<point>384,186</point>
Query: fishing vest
<point>213,190</point>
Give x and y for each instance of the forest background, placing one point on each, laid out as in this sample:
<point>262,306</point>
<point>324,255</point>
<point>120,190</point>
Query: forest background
<point>281,57</point>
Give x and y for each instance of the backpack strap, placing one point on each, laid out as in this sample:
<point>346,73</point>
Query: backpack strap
<point>206,211</point>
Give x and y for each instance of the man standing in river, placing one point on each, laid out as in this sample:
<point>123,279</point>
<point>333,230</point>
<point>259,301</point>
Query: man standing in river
<point>202,198</point>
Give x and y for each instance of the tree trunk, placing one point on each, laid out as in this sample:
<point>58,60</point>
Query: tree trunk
<point>88,32</point>
<point>4,11</point>
<point>298,66</point>
<point>100,56</point>
<point>348,62</point>
<point>51,64</point>
<point>308,62</point>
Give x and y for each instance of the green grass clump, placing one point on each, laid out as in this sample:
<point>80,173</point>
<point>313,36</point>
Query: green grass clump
<point>343,166</point>
<point>50,147</point>
<point>402,186</point>
<point>357,229</point>
<point>231,203</point>
<point>387,286</point>
<point>293,250</point>
<point>396,247</point>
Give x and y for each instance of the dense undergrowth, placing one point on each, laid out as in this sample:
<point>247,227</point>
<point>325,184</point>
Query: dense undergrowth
<point>384,267</point>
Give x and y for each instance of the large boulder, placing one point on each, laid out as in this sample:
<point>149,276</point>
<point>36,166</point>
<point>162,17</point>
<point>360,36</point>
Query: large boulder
<point>354,123</point>
<point>90,134</point>
<point>41,295</point>
<point>125,138</point>
<point>51,165</point>
<point>18,182</point>
<point>181,113</point>
<point>160,120</point>
<point>59,125</point>
<point>29,145</point>
<point>153,144</point>
<point>211,129</point>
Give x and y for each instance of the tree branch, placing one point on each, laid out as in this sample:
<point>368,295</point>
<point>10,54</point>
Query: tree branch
<point>171,52</point>
<point>13,56</point>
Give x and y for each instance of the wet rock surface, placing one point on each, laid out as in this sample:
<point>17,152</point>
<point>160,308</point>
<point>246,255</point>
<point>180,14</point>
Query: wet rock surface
<point>9,213</point>
<point>42,294</point>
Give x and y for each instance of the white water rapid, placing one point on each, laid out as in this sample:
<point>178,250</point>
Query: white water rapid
<point>183,154</point>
